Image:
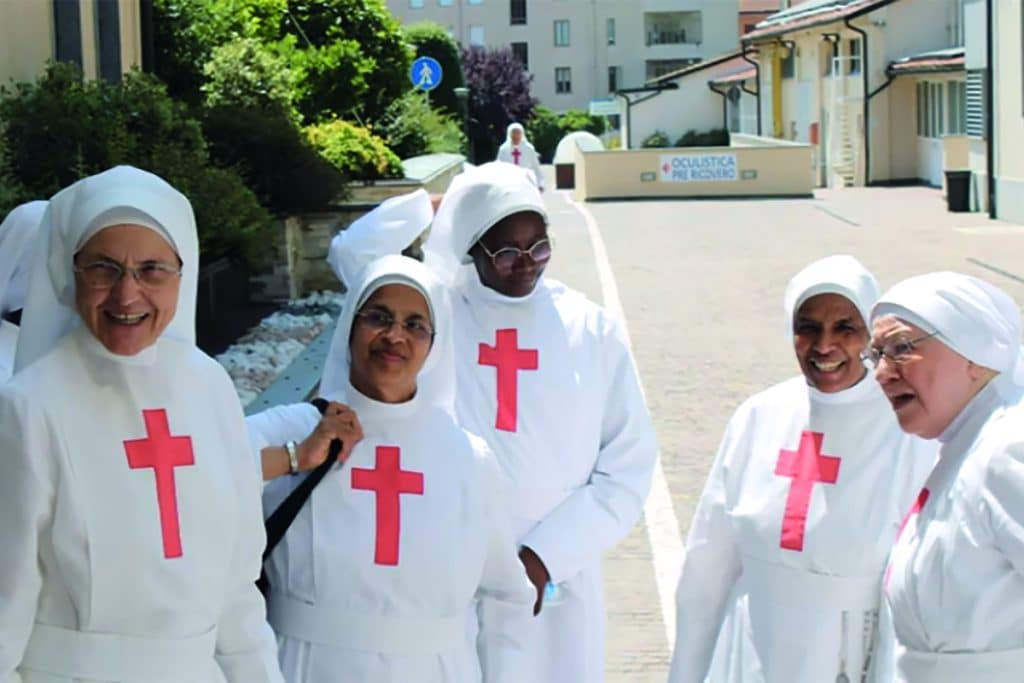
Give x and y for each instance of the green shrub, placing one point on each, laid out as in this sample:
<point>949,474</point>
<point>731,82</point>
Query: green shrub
<point>354,150</point>
<point>546,128</point>
<point>718,137</point>
<point>411,127</point>
<point>432,40</point>
<point>656,139</point>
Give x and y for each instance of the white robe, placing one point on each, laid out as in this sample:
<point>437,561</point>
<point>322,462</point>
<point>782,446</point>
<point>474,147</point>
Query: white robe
<point>956,576</point>
<point>8,344</point>
<point>523,155</point>
<point>576,447</point>
<point>345,612</point>
<point>93,585</point>
<point>751,610</point>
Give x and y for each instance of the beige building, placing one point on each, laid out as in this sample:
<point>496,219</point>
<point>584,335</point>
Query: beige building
<point>584,50</point>
<point>102,36</point>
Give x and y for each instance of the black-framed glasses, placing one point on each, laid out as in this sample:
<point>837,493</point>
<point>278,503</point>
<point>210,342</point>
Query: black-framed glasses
<point>895,351</point>
<point>380,320</point>
<point>506,257</point>
<point>104,274</point>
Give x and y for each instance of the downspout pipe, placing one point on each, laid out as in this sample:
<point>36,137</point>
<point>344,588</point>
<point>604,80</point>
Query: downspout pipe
<point>725,105</point>
<point>652,92</point>
<point>864,65</point>
<point>990,126</point>
<point>757,77</point>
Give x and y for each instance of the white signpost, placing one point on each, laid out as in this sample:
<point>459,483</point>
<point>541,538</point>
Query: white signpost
<point>698,168</point>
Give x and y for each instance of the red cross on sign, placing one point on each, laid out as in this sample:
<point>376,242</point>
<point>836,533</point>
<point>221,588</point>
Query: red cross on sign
<point>389,481</point>
<point>516,153</point>
<point>162,452</point>
<point>508,359</point>
<point>806,466</point>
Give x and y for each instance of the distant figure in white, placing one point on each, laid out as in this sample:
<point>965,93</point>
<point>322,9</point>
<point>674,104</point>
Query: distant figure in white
<point>517,150</point>
<point>17,234</point>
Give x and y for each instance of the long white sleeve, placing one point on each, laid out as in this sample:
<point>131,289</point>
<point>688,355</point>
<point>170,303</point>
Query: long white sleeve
<point>599,514</point>
<point>27,495</point>
<point>532,162</point>
<point>1003,502</point>
<point>710,569</point>
<point>505,596</point>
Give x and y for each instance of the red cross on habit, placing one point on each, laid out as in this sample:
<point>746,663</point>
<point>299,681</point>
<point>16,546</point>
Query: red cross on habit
<point>508,359</point>
<point>915,509</point>
<point>162,452</point>
<point>806,466</point>
<point>516,153</point>
<point>389,481</point>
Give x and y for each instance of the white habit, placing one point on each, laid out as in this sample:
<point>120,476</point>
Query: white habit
<point>17,237</point>
<point>523,154</point>
<point>784,558</point>
<point>129,501</point>
<point>955,588</point>
<point>377,575</point>
<point>549,381</point>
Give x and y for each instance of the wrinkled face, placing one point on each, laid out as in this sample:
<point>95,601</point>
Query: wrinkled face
<point>828,336</point>
<point>516,136</point>
<point>390,340</point>
<point>127,316</point>
<point>519,231</point>
<point>929,385</point>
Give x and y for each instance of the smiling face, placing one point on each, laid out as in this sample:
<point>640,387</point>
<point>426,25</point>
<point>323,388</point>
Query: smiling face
<point>931,383</point>
<point>389,343</point>
<point>128,316</point>
<point>520,230</point>
<point>828,337</point>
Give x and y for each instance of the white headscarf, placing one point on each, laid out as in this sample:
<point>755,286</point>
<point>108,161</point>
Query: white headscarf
<point>388,229</point>
<point>843,275</point>
<point>508,134</point>
<point>17,234</point>
<point>977,320</point>
<point>475,202</point>
<point>121,195</point>
<point>436,380</point>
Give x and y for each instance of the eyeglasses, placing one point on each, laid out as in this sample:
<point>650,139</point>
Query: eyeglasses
<point>506,257</point>
<point>896,351</point>
<point>381,321</point>
<point>105,274</point>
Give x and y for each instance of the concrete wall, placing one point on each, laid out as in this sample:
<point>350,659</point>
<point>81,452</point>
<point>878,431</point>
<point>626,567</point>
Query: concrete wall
<point>762,168</point>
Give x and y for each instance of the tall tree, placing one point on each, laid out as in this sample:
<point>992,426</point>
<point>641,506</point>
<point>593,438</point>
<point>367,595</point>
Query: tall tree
<point>499,94</point>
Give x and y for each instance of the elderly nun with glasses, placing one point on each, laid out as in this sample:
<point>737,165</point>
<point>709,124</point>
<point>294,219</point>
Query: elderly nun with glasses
<point>405,534</point>
<point>129,499</point>
<point>782,577</point>
<point>548,379</point>
<point>947,354</point>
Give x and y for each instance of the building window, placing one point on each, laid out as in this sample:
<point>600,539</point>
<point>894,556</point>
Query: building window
<point>957,99</point>
<point>788,63</point>
<point>829,52</point>
<point>67,26</point>
<point>416,4</point>
<point>611,31</point>
<point>855,56</point>
<point>445,3</point>
<point>517,12</point>
<point>613,78</point>
<point>561,33</point>
<point>940,109</point>
<point>476,2</point>
<point>521,51</point>
<point>476,36</point>
<point>563,80</point>
<point>108,40</point>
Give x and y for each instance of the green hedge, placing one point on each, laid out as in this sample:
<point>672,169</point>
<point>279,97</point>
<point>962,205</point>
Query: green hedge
<point>717,137</point>
<point>354,150</point>
<point>412,127</point>
<point>546,128</point>
<point>432,40</point>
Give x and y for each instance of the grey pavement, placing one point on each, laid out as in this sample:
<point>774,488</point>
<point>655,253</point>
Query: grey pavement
<point>701,283</point>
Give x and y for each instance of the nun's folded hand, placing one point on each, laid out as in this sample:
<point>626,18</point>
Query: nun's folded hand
<point>338,422</point>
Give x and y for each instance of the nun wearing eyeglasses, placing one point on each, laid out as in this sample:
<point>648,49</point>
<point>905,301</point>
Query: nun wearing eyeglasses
<point>17,236</point>
<point>948,357</point>
<point>129,500</point>
<point>548,379</point>
<point>375,578</point>
<point>781,582</point>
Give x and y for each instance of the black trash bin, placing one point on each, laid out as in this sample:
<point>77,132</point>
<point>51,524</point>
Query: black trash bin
<point>958,191</point>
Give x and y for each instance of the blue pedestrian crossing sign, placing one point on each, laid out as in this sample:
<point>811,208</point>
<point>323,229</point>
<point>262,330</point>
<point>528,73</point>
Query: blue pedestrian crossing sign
<point>426,73</point>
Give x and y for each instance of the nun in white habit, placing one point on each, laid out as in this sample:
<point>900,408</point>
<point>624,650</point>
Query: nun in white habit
<point>519,151</point>
<point>17,236</point>
<point>784,559</point>
<point>374,579</point>
<point>947,352</point>
<point>129,501</point>
<point>548,379</point>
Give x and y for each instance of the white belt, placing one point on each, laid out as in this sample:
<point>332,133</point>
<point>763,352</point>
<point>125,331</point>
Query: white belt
<point>792,587</point>
<point>915,666</point>
<point>328,625</point>
<point>74,654</point>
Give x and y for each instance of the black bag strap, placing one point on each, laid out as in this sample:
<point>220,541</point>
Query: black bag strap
<point>279,521</point>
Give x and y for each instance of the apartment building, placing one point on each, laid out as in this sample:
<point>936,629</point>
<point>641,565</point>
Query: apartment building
<point>584,50</point>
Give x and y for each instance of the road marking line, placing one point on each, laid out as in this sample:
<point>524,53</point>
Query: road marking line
<point>994,269</point>
<point>837,216</point>
<point>662,525</point>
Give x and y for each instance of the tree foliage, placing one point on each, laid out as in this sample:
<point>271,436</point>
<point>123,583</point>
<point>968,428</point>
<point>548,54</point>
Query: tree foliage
<point>499,94</point>
<point>432,40</point>
<point>547,128</point>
